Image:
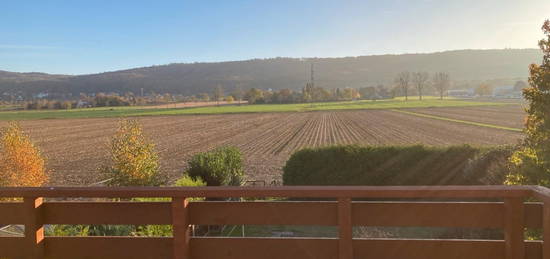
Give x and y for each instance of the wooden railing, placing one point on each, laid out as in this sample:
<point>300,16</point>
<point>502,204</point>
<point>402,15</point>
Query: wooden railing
<point>504,207</point>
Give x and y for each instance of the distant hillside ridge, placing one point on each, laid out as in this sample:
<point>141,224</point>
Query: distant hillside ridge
<point>279,73</point>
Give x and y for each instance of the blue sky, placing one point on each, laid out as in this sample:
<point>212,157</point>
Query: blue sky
<point>78,36</point>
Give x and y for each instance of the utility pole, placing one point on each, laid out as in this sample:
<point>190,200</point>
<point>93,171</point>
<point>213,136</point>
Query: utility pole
<point>312,80</point>
<point>311,85</point>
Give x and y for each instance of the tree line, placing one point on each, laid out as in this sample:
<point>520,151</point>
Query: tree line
<point>107,100</point>
<point>421,82</point>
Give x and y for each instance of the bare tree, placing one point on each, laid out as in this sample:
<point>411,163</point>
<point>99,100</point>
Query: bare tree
<point>420,80</point>
<point>402,81</point>
<point>218,94</point>
<point>441,82</point>
<point>238,93</point>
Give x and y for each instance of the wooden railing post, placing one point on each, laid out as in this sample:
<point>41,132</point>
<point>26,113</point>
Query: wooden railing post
<point>180,228</point>
<point>345,229</point>
<point>546,229</point>
<point>514,228</point>
<point>34,228</point>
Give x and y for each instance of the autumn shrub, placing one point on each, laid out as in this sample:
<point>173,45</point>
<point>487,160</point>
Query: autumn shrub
<point>221,166</point>
<point>21,163</point>
<point>531,163</point>
<point>134,159</point>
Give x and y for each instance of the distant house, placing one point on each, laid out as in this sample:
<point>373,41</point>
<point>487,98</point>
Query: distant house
<point>506,91</point>
<point>461,93</point>
<point>83,104</point>
<point>41,95</point>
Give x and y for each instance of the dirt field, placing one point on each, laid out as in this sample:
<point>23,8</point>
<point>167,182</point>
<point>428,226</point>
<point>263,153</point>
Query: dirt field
<point>512,116</point>
<point>76,148</point>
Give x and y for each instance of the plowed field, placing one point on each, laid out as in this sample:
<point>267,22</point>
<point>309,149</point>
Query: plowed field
<point>507,116</point>
<point>76,148</point>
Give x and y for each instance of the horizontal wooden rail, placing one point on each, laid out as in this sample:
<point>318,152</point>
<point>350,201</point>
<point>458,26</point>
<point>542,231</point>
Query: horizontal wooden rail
<point>437,249</point>
<point>503,207</point>
<point>263,213</point>
<point>283,191</point>
<point>114,213</point>
<point>439,214</point>
<point>397,214</point>
<point>12,213</point>
<point>267,248</point>
<point>12,247</point>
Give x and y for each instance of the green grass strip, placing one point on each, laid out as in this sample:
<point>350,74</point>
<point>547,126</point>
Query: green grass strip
<point>106,112</point>
<point>458,121</point>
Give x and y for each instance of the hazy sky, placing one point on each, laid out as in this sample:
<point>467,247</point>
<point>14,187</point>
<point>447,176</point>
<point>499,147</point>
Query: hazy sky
<point>76,37</point>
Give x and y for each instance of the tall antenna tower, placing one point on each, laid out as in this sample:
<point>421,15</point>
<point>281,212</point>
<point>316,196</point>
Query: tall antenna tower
<point>312,81</point>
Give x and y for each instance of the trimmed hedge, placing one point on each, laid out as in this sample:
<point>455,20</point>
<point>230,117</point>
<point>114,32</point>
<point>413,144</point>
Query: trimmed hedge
<point>387,165</point>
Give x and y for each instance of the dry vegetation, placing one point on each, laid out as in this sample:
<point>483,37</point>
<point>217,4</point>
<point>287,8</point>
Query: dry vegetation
<point>76,148</point>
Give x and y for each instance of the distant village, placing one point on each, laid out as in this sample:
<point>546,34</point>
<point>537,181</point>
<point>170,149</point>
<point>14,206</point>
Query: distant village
<point>310,93</point>
<point>488,91</point>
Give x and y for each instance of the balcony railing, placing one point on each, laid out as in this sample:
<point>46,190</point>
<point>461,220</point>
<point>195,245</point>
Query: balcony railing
<point>502,207</point>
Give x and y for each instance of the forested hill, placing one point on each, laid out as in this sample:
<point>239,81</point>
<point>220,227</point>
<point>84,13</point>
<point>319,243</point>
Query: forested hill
<point>278,73</point>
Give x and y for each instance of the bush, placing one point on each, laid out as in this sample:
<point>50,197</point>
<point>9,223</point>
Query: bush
<point>384,165</point>
<point>187,181</point>
<point>134,159</point>
<point>222,166</point>
<point>21,163</point>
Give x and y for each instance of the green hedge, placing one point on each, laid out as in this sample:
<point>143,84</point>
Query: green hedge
<point>219,167</point>
<point>387,165</point>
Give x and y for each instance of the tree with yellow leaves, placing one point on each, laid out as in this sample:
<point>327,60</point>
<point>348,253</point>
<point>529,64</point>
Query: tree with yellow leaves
<point>134,160</point>
<point>531,163</point>
<point>21,163</point>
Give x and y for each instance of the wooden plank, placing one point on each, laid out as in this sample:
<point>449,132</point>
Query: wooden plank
<point>439,214</point>
<point>429,214</point>
<point>11,213</point>
<point>533,249</point>
<point>12,247</point>
<point>276,248</point>
<point>533,214</point>
<point>345,229</point>
<point>263,213</point>
<point>282,191</point>
<point>265,248</point>
<point>34,228</point>
<point>108,247</point>
<point>436,249</point>
<point>514,229</point>
<point>121,213</point>
<point>181,228</point>
<point>546,231</point>
<point>457,214</point>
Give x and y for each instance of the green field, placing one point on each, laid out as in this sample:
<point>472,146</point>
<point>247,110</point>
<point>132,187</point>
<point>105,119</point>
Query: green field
<point>127,111</point>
